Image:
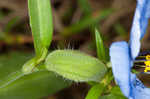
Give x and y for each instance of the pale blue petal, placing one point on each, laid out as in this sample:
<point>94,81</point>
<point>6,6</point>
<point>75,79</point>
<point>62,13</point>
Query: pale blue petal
<point>120,59</point>
<point>145,15</point>
<point>122,56</point>
<point>140,22</point>
<point>139,91</point>
<point>148,9</point>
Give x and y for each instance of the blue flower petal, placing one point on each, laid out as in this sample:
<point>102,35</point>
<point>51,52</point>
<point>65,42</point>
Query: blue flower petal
<point>122,56</point>
<point>144,9</point>
<point>129,84</point>
<point>139,91</point>
<point>120,59</point>
<point>140,22</point>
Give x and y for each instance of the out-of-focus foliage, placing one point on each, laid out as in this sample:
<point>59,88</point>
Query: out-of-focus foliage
<point>86,22</point>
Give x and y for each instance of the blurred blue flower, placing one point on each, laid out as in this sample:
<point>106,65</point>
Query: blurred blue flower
<point>123,54</point>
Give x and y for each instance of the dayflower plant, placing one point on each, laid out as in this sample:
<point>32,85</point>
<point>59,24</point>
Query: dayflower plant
<point>54,70</point>
<point>123,55</point>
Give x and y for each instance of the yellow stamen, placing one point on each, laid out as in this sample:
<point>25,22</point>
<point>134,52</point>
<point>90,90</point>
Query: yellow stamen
<point>147,57</point>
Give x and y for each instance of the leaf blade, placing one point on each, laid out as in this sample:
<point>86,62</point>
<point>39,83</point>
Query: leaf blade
<point>75,65</point>
<point>114,94</point>
<point>95,91</point>
<point>15,85</point>
<point>41,24</point>
<point>100,46</point>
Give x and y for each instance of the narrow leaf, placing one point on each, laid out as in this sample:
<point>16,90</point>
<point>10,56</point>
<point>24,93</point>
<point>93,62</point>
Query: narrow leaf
<point>41,24</point>
<point>75,65</point>
<point>100,46</point>
<point>95,91</point>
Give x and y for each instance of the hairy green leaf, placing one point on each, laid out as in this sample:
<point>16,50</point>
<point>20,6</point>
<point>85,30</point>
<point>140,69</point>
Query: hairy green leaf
<point>75,65</point>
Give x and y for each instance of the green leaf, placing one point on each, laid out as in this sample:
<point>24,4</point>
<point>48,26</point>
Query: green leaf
<point>31,64</point>
<point>15,85</point>
<point>41,24</point>
<point>95,91</point>
<point>116,90</point>
<point>112,96</point>
<point>100,46</point>
<point>115,94</point>
<point>75,65</point>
